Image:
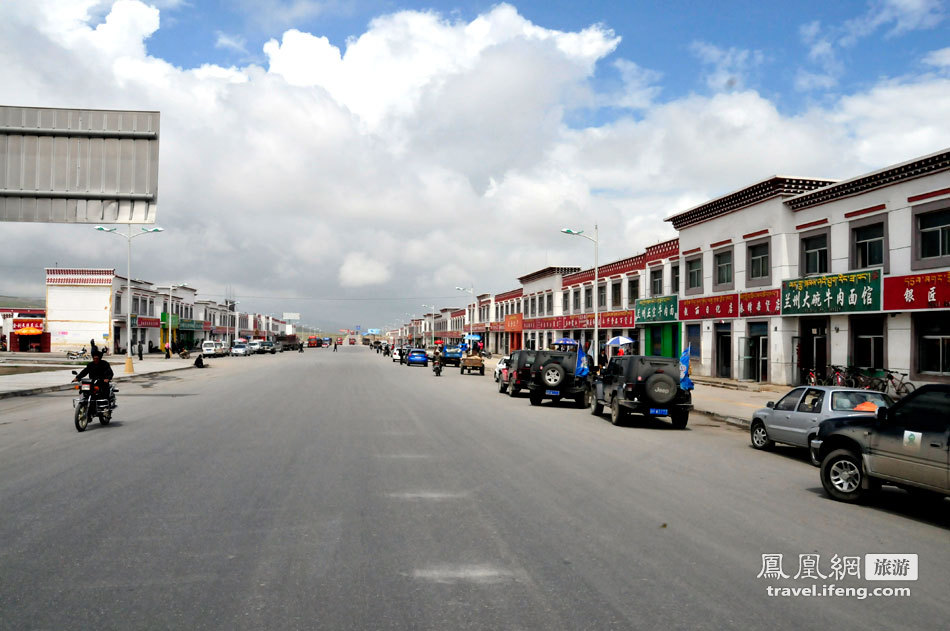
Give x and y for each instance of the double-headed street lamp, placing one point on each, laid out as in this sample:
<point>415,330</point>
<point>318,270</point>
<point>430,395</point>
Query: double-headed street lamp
<point>128,280</point>
<point>580,233</point>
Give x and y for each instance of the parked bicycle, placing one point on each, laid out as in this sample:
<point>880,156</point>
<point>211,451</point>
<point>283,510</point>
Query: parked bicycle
<point>838,376</point>
<point>900,387</point>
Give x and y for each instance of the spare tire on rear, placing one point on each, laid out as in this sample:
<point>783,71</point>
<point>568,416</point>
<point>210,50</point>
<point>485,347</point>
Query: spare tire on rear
<point>661,388</point>
<point>552,375</point>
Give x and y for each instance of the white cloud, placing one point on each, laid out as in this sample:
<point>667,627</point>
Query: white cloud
<point>230,42</point>
<point>730,67</point>
<point>425,153</point>
<point>939,58</point>
<point>359,270</point>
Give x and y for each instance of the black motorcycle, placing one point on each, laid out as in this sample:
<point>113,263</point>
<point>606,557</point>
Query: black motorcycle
<point>437,368</point>
<point>96,399</point>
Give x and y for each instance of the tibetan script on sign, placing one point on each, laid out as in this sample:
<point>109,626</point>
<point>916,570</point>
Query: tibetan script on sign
<point>835,293</point>
<point>917,291</point>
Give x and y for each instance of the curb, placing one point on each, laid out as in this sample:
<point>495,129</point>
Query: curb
<point>731,420</point>
<point>69,386</point>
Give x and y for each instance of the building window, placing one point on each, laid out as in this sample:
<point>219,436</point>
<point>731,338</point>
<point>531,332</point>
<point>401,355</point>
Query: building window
<point>656,282</point>
<point>934,352</point>
<point>694,275</point>
<point>588,298</point>
<point>565,302</point>
<point>601,296</point>
<point>759,268</point>
<point>722,261</point>
<point>534,306</point>
<point>694,340</point>
<point>932,240</point>
<point>867,341</point>
<point>577,300</point>
<point>550,303</point>
<point>815,254</point>
<point>633,290</point>
<point>868,246</point>
<point>118,303</point>
<point>675,280</point>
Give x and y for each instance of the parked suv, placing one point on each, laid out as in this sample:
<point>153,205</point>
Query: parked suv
<point>905,445</point>
<point>552,377</point>
<point>643,385</point>
<point>519,371</point>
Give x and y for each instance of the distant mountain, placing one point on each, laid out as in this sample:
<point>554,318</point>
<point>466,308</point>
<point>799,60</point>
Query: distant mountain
<point>21,303</point>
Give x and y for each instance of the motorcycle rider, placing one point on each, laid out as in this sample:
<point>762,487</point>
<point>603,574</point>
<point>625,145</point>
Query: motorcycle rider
<point>437,361</point>
<point>100,371</point>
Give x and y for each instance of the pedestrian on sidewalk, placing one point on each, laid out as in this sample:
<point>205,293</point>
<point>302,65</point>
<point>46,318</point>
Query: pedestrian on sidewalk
<point>140,350</point>
<point>93,349</point>
<point>168,350</point>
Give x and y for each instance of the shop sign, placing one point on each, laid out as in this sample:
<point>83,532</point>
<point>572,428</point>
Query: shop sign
<point>143,322</point>
<point>186,324</point>
<point>835,293</point>
<point>917,291</point>
<point>514,322</point>
<point>206,326</point>
<point>479,327</point>
<point>659,309</point>
<point>724,306</point>
<point>615,319</point>
<point>175,320</point>
<point>221,329</point>
<point>27,324</point>
<point>541,324</point>
<point>760,303</point>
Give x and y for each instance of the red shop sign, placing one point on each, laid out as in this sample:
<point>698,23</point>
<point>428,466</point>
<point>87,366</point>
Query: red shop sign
<point>148,322</point>
<point>725,306</point>
<point>917,291</point>
<point>760,303</point>
<point>27,324</point>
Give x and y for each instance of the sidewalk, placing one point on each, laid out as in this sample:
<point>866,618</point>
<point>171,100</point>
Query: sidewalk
<point>51,381</point>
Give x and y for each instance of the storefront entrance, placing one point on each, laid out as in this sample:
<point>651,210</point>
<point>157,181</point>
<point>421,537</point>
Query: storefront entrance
<point>755,352</point>
<point>724,350</point>
<point>662,340</point>
<point>813,347</point>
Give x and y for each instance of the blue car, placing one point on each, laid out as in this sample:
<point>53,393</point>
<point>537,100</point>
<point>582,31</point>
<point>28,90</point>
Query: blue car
<point>417,356</point>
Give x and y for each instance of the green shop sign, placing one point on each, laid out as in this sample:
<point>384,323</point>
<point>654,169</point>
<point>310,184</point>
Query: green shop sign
<point>659,309</point>
<point>189,325</point>
<point>835,293</point>
<point>165,320</point>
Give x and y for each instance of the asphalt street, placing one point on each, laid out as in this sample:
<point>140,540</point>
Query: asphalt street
<point>342,491</point>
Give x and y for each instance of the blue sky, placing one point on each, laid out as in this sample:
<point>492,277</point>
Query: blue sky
<point>659,36</point>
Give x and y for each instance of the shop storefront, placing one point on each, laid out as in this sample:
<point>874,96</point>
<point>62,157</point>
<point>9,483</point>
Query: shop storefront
<point>169,335</point>
<point>656,319</point>
<point>514,327</point>
<point>29,335</point>
<point>927,298</point>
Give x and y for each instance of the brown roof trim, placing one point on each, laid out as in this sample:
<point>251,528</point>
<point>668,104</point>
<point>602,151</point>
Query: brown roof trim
<point>811,224</point>
<point>693,251</point>
<point>547,271</point>
<point>508,295</point>
<point>917,198</point>
<point>757,233</point>
<point>910,170</point>
<point>713,246</point>
<point>776,186</point>
<point>864,211</point>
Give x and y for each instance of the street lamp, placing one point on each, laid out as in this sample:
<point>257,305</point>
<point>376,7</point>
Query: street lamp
<point>237,316</point>
<point>432,307</point>
<point>171,288</point>
<point>128,287</point>
<point>594,239</point>
<point>470,290</point>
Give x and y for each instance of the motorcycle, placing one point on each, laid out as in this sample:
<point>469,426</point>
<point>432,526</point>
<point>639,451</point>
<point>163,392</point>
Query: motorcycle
<point>91,404</point>
<point>78,354</point>
<point>437,368</point>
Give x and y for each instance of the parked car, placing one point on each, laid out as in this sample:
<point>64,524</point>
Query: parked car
<point>452,356</point>
<point>644,385</point>
<point>254,346</point>
<point>211,348</point>
<point>417,356</point>
<point>519,371</point>
<point>905,445</point>
<point>240,349</point>
<point>502,364</point>
<point>397,353</point>
<point>267,347</point>
<point>553,377</point>
<point>795,418</point>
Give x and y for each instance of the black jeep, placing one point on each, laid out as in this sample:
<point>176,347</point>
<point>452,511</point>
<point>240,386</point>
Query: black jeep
<point>643,385</point>
<point>552,377</point>
<point>519,371</point>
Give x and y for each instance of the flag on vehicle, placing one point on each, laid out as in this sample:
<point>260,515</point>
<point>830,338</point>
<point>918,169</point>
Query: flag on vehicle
<point>685,382</point>
<point>581,369</point>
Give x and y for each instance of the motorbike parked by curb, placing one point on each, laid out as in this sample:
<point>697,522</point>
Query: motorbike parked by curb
<point>91,403</point>
<point>83,354</point>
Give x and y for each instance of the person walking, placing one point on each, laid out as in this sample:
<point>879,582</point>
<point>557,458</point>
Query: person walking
<point>168,350</point>
<point>140,350</point>
<point>334,347</point>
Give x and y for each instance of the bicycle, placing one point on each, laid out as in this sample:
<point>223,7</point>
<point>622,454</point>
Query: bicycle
<point>901,388</point>
<point>858,379</point>
<point>810,377</point>
<point>837,376</point>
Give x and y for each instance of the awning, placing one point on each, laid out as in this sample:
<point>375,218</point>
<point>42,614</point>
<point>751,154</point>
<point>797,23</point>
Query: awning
<point>28,330</point>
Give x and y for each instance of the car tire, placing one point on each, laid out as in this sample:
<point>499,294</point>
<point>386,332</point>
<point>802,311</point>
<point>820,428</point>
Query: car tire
<point>512,389</point>
<point>596,407</point>
<point>617,413</point>
<point>552,375</point>
<point>535,399</point>
<point>842,476</point>
<point>582,399</point>
<point>679,419</point>
<point>660,388</point>
<point>760,436</point>
<point>501,387</point>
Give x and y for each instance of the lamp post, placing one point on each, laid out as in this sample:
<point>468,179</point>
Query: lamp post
<point>237,315</point>
<point>594,239</point>
<point>171,288</point>
<point>470,290</point>
<point>432,307</point>
<point>128,280</point>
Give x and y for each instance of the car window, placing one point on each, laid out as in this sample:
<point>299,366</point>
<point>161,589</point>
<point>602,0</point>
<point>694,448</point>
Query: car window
<point>925,412</point>
<point>790,401</point>
<point>858,401</point>
<point>811,402</point>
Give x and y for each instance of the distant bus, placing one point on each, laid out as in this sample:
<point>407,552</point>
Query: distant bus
<point>314,342</point>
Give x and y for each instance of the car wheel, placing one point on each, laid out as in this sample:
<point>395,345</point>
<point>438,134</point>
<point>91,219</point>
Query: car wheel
<point>617,413</point>
<point>660,388</point>
<point>512,389</point>
<point>760,436</point>
<point>552,375</point>
<point>680,419</point>
<point>501,387</point>
<point>583,399</point>
<point>535,399</point>
<point>841,476</point>
<point>481,371</point>
<point>596,407</point>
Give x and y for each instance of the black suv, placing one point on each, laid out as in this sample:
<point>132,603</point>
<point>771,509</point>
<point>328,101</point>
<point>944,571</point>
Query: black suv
<point>552,377</point>
<point>643,385</point>
<point>519,371</point>
<point>905,445</point>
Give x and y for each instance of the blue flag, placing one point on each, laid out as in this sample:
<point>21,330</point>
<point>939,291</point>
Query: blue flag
<point>581,369</point>
<point>685,382</point>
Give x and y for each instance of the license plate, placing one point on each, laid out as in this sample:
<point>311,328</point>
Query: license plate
<point>85,386</point>
<point>552,392</point>
<point>660,411</point>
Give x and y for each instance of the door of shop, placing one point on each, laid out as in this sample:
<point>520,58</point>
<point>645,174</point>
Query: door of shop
<point>814,346</point>
<point>755,352</point>
<point>724,350</point>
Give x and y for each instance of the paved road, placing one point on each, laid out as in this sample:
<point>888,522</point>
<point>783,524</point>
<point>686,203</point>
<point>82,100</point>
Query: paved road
<point>341,491</point>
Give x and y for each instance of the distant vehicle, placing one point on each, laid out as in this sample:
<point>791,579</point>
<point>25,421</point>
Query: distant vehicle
<point>352,341</point>
<point>254,346</point>
<point>268,347</point>
<point>397,354</point>
<point>904,445</point>
<point>211,348</point>
<point>552,377</point>
<point>794,420</point>
<point>240,349</point>
<point>339,340</point>
<point>452,356</point>
<point>501,366</point>
<point>417,356</point>
<point>327,341</point>
<point>289,342</point>
<point>642,384</point>
<point>518,372</point>
<point>314,342</point>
